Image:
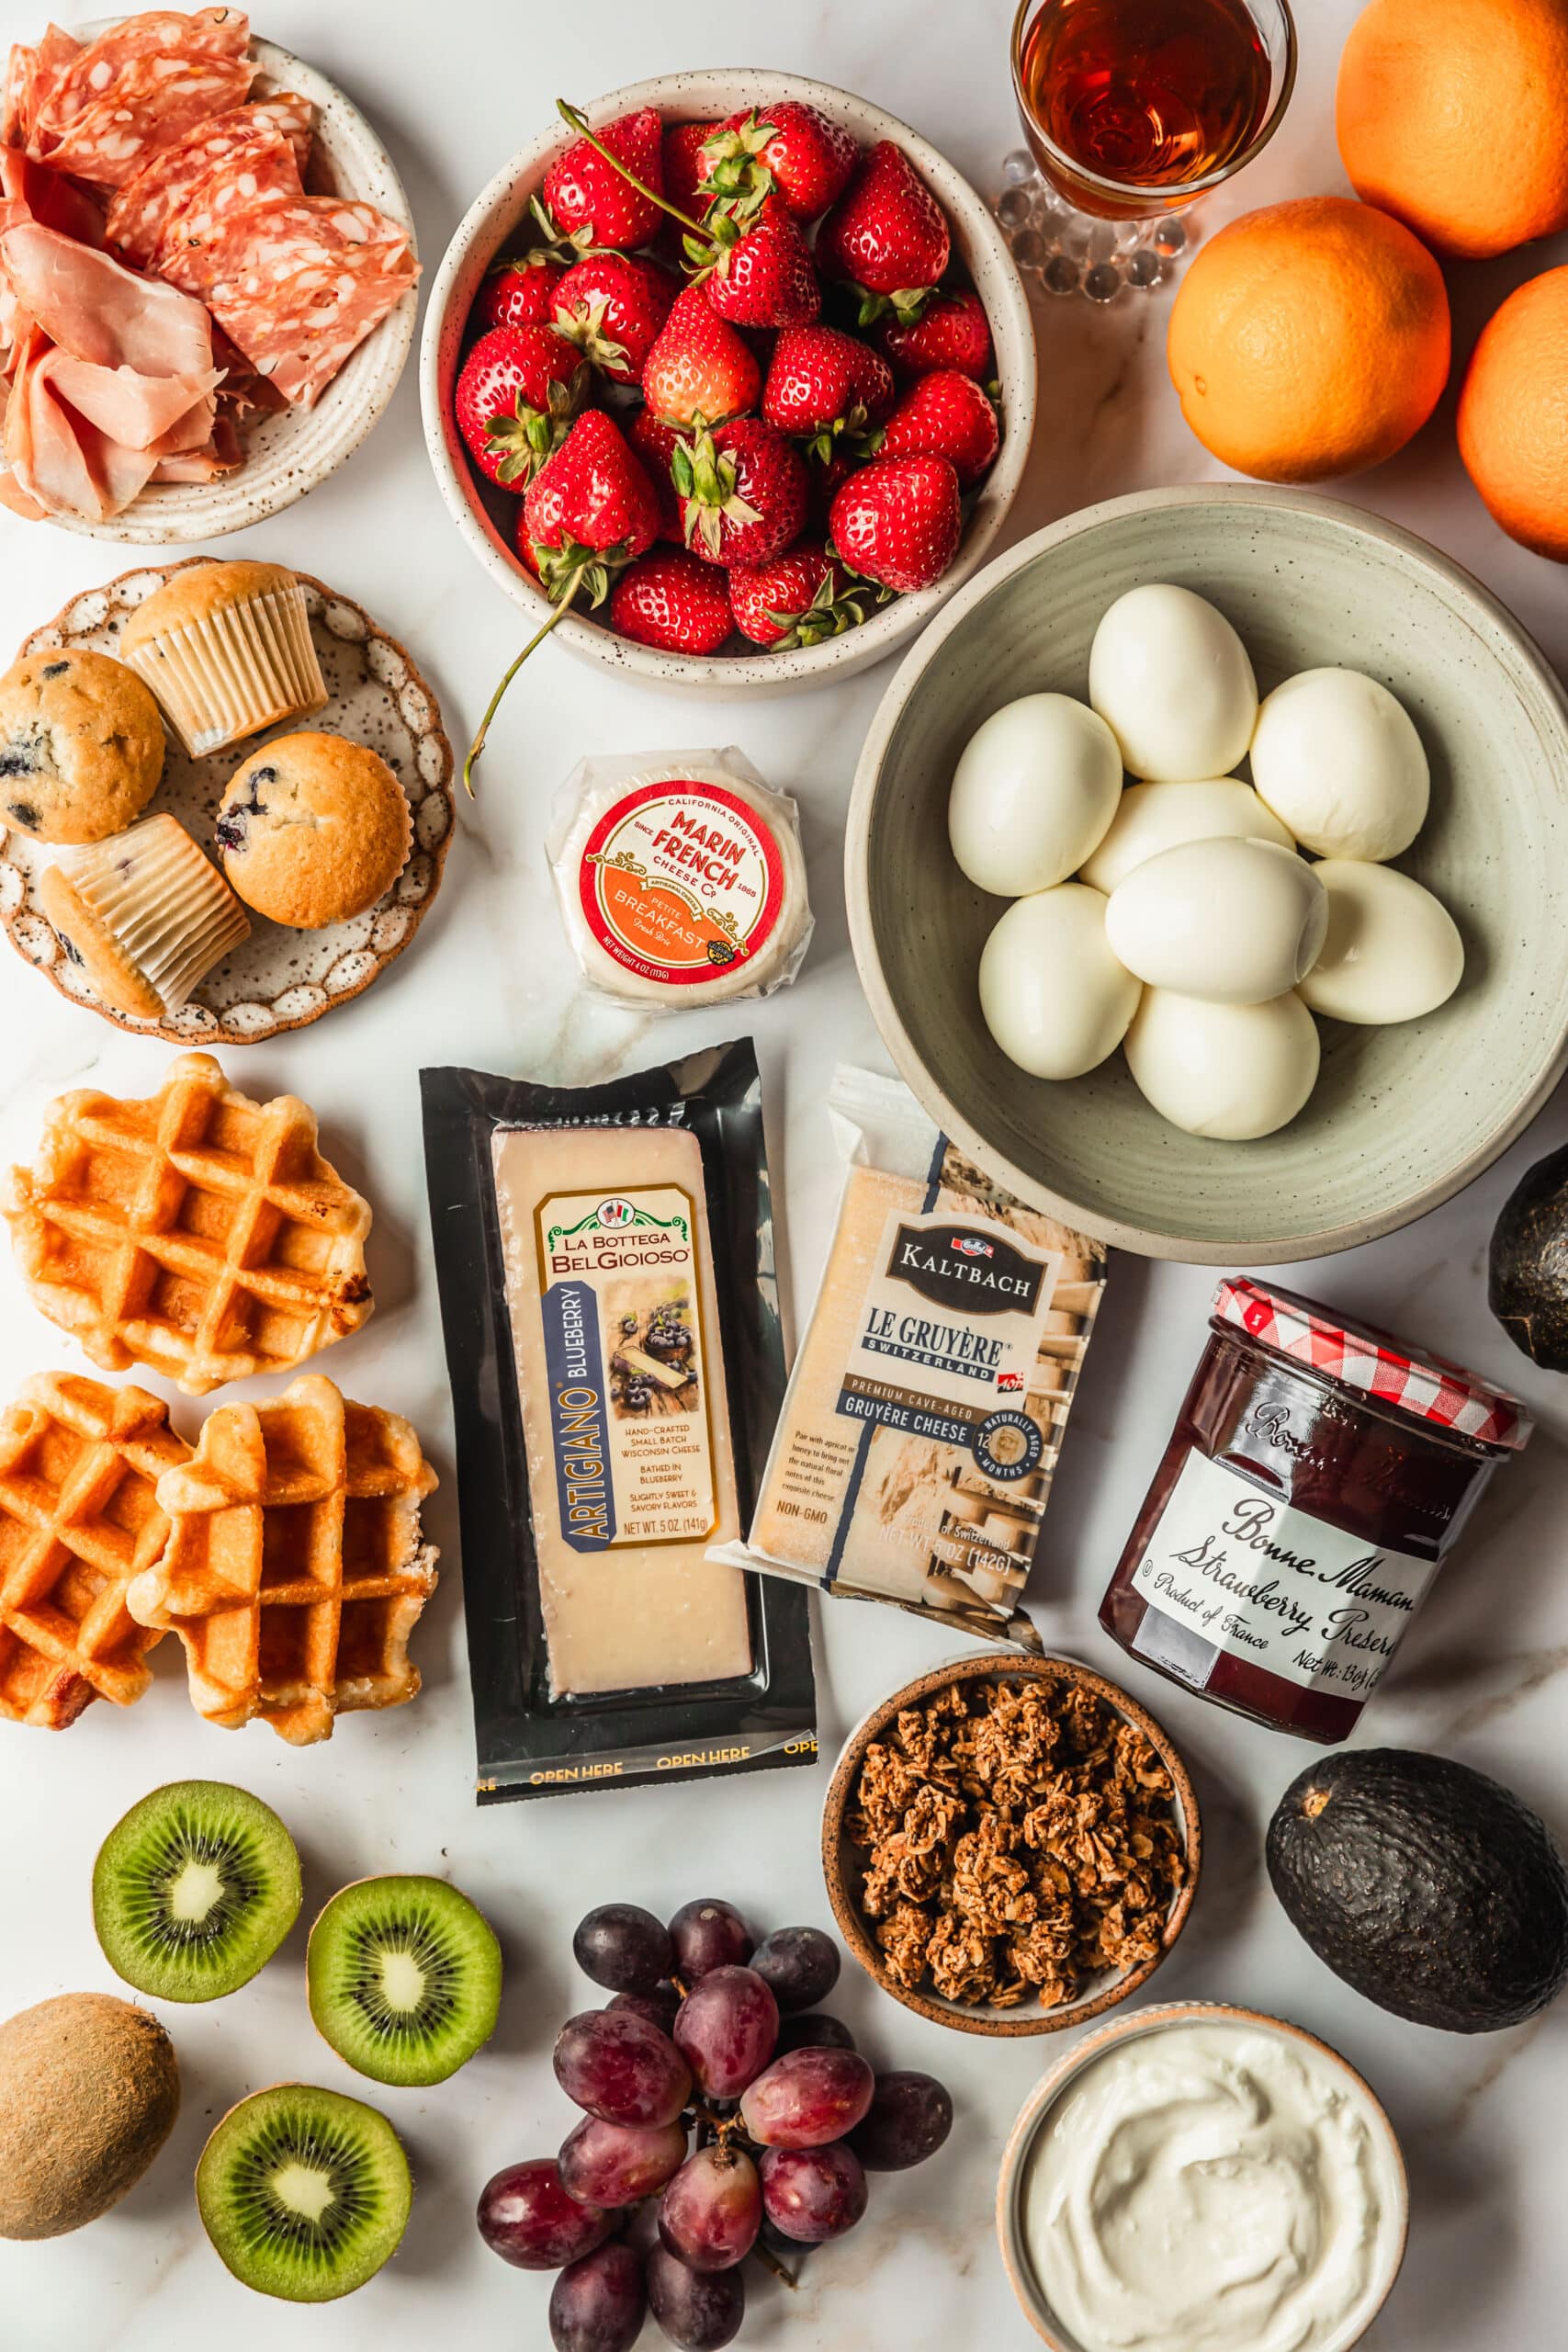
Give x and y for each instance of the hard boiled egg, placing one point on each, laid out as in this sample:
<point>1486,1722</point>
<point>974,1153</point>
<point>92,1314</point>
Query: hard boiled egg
<point>1232,1071</point>
<point>1152,817</point>
<point>1392,950</point>
<point>1036,787</point>
<point>1171,679</point>
<point>1234,921</point>
<point>1055,998</point>
<point>1338,761</point>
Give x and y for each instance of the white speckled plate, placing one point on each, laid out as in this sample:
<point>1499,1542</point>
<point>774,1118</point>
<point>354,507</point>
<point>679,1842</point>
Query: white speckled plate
<point>288,454</point>
<point>277,978</point>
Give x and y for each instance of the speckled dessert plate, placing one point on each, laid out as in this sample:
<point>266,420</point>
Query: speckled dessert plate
<point>277,978</point>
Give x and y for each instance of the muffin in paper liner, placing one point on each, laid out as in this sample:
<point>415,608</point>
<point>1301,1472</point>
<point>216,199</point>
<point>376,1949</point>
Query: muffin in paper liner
<point>227,650</point>
<point>146,915</point>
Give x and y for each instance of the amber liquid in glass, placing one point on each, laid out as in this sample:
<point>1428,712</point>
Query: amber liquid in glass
<point>1150,93</point>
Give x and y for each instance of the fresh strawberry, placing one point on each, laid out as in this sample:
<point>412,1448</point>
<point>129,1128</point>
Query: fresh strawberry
<point>790,147</point>
<point>887,235</point>
<point>950,332</point>
<point>742,492</point>
<point>897,520</point>
<point>764,278</point>
<point>699,367</point>
<point>669,599</point>
<point>517,394</point>
<point>519,291</point>
<point>655,444</point>
<point>829,389</point>
<point>798,598</point>
<point>612,306</point>
<point>946,414</point>
<point>582,190</point>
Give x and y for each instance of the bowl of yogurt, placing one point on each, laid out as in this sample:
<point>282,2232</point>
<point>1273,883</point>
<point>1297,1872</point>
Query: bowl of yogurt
<point>1201,2178</point>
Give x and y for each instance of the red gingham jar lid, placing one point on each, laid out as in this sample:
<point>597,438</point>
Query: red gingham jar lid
<point>1362,1358</point>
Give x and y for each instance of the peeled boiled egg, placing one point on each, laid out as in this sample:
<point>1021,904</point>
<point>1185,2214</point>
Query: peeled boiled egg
<point>1338,761</point>
<point>1054,996</point>
<point>1035,787</point>
<point>1392,950</point>
<point>1232,1071</point>
<point>1171,679</point>
<point>1234,921</point>
<point>1152,817</point>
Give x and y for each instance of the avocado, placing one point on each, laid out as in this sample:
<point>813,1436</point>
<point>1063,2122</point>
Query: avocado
<point>1428,1887</point>
<point>1528,1282</point>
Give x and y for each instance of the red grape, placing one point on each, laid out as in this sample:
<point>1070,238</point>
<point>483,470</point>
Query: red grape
<point>707,1935</point>
<point>614,2163</point>
<point>813,2194</point>
<point>597,2304</point>
<point>658,2007</point>
<point>807,2097</point>
<point>622,1947</point>
<point>698,2310</point>
<point>909,2117</point>
<point>726,2029</point>
<point>614,2065</point>
<point>710,2213</point>
<point>526,2217</point>
<point>815,2031</point>
<point>800,1965</point>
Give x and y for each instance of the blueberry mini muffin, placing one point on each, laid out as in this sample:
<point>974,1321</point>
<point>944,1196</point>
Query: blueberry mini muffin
<point>227,650</point>
<point>314,829</point>
<point>81,746</point>
<point>146,916</point>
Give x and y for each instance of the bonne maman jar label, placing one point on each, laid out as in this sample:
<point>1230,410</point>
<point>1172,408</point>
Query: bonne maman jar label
<point>1250,1575</point>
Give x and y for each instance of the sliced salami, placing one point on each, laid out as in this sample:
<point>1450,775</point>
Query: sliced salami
<point>17,104</point>
<point>153,103</point>
<point>261,171</point>
<point>299,283</point>
<point>148,205</point>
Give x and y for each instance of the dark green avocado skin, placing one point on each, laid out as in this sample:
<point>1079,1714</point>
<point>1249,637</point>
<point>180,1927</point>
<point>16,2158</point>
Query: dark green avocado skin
<point>1428,1887</point>
<point>1528,1279</point>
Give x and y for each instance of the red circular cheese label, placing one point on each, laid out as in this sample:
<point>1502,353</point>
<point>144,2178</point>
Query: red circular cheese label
<point>681,880</point>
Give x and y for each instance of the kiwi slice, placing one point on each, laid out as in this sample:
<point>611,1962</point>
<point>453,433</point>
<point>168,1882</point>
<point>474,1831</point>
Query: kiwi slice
<point>404,1978</point>
<point>194,1890</point>
<point>303,2193</point>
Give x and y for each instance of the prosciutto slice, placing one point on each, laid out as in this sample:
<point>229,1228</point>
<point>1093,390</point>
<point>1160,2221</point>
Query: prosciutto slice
<point>97,310</point>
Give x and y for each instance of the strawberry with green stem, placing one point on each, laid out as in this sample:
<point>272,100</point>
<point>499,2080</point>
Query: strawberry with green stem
<point>588,514</point>
<point>516,395</point>
<point>887,236</point>
<point>613,305</point>
<point>743,489</point>
<point>791,148</point>
<point>609,182</point>
<point>952,330</point>
<point>828,390</point>
<point>800,598</point>
<point>519,291</point>
<point>700,370</point>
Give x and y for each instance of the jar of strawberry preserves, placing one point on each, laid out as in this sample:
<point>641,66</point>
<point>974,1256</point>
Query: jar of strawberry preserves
<point>1316,1475</point>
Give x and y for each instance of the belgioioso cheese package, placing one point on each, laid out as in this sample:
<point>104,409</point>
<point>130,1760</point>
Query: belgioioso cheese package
<point>913,1458</point>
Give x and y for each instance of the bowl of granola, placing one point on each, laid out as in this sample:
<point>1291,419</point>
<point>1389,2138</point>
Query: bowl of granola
<point>1011,1844</point>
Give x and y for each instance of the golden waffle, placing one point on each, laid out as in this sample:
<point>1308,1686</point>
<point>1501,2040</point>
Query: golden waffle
<point>79,1466</point>
<point>196,1231</point>
<point>295,1571</point>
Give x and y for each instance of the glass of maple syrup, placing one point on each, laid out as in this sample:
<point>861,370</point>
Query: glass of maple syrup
<point>1134,108</point>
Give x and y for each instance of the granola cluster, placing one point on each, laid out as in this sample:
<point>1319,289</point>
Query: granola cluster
<point>1019,1839</point>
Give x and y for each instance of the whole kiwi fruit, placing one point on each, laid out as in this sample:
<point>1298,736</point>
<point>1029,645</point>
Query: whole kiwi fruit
<point>89,2091</point>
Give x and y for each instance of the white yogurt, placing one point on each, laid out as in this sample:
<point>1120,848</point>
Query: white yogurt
<point>1212,2187</point>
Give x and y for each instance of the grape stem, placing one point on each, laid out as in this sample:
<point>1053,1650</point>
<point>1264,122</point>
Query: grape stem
<point>770,2262</point>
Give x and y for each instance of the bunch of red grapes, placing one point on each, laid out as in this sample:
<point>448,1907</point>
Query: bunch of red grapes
<point>713,2082</point>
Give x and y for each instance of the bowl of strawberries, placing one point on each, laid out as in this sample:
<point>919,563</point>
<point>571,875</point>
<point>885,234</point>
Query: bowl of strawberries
<point>730,378</point>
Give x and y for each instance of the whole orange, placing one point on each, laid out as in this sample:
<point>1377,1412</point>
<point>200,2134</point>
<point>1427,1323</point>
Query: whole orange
<point>1453,115</point>
<point>1513,415</point>
<point>1309,339</point>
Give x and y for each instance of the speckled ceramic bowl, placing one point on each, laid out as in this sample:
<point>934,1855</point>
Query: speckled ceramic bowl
<point>1026,2285</point>
<point>494,221</point>
<point>843,1869</point>
<point>1402,1117</point>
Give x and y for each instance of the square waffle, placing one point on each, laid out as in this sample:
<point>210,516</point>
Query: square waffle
<point>196,1231</point>
<point>79,1467</point>
<point>295,1570</point>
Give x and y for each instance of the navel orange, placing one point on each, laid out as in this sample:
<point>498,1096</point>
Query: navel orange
<point>1309,339</point>
<point>1513,415</point>
<point>1453,115</point>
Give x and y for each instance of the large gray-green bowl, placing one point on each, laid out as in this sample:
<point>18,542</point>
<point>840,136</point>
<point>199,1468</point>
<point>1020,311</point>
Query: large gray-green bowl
<point>1402,1117</point>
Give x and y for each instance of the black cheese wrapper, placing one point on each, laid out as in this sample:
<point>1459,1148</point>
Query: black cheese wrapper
<point>532,1741</point>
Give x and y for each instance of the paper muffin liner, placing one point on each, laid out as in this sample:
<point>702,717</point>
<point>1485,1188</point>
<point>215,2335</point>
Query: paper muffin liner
<point>240,669</point>
<point>167,908</point>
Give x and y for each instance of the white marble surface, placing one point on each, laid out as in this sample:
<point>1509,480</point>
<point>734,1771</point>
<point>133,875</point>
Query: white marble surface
<point>454,88</point>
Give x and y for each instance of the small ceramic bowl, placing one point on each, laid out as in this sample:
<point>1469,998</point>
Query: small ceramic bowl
<point>1402,1117</point>
<point>496,218</point>
<point>842,1867</point>
<point>1026,2285</point>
